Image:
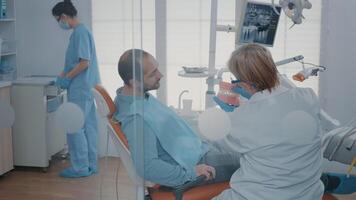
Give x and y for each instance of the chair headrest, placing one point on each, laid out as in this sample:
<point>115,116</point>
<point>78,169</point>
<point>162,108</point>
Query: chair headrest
<point>105,95</point>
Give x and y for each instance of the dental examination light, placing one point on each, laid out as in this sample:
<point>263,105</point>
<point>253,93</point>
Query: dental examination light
<point>306,73</point>
<point>293,9</point>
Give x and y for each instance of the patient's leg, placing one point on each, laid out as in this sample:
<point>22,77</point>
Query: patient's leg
<point>225,164</point>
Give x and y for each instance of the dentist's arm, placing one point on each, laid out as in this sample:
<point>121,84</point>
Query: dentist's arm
<point>81,66</point>
<point>84,48</point>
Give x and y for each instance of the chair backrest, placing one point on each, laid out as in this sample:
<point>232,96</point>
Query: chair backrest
<point>107,108</point>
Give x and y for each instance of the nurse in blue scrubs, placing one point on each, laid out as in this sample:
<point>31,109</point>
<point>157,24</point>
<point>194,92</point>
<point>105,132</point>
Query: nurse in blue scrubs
<point>79,75</point>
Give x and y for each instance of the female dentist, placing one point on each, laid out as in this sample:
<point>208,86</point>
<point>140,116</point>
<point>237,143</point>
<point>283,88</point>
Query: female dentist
<point>79,75</point>
<point>277,133</point>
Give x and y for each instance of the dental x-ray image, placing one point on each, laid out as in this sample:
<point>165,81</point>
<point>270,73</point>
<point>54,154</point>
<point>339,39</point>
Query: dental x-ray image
<point>259,24</point>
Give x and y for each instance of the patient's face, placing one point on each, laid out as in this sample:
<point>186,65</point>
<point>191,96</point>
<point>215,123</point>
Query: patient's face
<point>152,75</point>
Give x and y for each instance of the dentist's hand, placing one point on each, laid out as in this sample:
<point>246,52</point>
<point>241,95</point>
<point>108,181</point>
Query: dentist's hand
<point>205,170</point>
<point>63,82</point>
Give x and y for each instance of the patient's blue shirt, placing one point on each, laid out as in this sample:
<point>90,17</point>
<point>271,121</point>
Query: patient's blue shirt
<point>169,148</point>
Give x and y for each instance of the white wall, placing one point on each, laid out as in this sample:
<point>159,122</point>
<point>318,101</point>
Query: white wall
<point>337,85</point>
<point>41,43</point>
<point>338,54</point>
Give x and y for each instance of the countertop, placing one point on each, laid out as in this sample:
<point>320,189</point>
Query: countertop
<point>34,81</point>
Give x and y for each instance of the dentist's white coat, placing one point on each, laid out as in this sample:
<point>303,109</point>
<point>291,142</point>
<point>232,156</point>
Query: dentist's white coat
<point>278,135</point>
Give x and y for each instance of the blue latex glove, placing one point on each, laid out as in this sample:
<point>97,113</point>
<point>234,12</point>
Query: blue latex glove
<point>226,107</point>
<point>63,82</point>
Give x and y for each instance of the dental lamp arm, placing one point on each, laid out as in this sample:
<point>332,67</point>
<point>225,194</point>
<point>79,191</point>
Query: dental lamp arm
<point>305,73</point>
<point>289,60</point>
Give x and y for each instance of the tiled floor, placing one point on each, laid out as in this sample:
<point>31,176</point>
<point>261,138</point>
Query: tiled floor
<point>33,184</point>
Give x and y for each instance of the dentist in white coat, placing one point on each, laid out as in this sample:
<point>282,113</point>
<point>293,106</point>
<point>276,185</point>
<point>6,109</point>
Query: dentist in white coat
<point>277,132</point>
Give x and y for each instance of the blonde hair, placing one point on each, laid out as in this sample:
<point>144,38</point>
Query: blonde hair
<point>253,64</point>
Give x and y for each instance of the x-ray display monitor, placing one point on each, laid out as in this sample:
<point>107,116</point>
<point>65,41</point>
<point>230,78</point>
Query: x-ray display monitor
<point>259,24</point>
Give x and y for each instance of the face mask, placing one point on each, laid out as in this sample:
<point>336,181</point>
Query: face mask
<point>241,91</point>
<point>64,25</point>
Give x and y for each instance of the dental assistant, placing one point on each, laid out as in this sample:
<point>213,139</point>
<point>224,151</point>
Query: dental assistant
<point>79,75</point>
<point>277,133</point>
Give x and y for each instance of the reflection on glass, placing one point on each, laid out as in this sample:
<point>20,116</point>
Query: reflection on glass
<point>69,118</point>
<point>7,115</point>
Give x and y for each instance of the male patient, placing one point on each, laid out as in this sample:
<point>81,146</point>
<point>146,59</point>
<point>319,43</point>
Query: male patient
<point>165,150</point>
<point>172,153</point>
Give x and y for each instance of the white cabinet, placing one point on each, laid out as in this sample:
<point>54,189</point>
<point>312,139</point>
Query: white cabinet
<point>6,161</point>
<point>8,37</point>
<point>35,138</point>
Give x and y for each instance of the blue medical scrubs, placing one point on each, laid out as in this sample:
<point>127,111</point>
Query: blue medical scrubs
<point>82,144</point>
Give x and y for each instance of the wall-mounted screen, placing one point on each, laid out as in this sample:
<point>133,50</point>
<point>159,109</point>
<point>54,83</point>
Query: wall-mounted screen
<point>259,24</point>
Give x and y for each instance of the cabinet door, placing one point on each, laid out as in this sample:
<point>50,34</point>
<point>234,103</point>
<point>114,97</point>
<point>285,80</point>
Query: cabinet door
<point>6,150</point>
<point>6,156</point>
<point>28,132</point>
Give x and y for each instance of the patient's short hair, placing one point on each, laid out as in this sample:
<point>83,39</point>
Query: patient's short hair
<point>130,65</point>
<point>253,63</point>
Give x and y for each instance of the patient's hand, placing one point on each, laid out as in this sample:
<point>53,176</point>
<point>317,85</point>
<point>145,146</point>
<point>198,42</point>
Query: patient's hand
<point>206,170</point>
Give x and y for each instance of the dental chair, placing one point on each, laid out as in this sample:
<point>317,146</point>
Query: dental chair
<point>339,144</point>
<point>106,108</point>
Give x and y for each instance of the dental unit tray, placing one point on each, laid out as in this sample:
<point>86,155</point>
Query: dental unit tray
<point>194,72</point>
<point>194,69</point>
